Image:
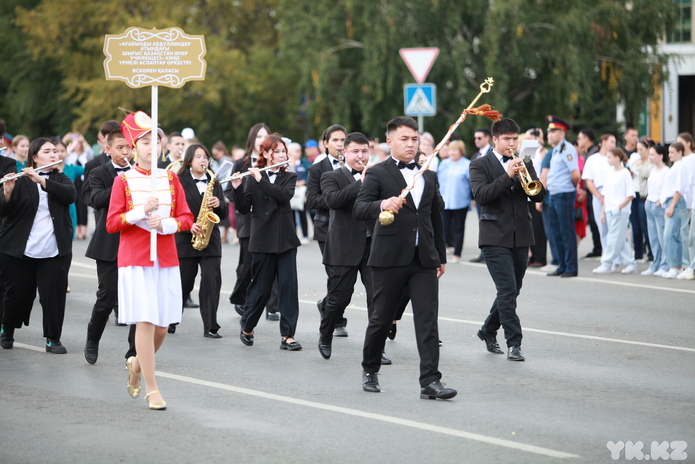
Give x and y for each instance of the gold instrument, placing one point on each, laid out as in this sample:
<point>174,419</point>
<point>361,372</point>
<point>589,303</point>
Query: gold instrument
<point>22,174</point>
<point>239,175</point>
<point>175,165</point>
<point>206,217</point>
<point>530,186</point>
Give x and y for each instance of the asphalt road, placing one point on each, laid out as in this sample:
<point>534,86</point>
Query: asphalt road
<point>609,359</point>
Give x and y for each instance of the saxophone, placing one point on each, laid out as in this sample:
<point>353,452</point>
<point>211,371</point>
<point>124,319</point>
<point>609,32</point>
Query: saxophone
<point>206,217</point>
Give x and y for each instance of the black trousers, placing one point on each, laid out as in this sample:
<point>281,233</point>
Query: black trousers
<point>23,276</point>
<point>210,286</point>
<point>455,227</point>
<point>595,234</point>
<point>243,273</point>
<point>107,296</point>
<point>341,286</point>
<point>507,267</point>
<point>539,251</point>
<point>131,342</point>
<point>243,279</point>
<point>423,288</point>
<point>266,268</point>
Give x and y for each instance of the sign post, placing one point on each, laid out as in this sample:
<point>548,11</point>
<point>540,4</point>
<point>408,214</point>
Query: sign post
<point>419,99</point>
<point>152,57</point>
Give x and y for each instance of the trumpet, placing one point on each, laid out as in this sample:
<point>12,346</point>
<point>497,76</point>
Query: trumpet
<point>239,175</point>
<point>531,187</point>
<point>22,174</point>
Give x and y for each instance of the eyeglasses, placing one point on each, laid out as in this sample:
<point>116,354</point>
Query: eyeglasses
<point>478,138</point>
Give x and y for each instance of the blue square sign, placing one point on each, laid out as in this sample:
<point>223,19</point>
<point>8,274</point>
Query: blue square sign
<point>420,99</point>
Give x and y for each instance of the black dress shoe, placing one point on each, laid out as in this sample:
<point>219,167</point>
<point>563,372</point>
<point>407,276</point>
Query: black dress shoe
<point>437,391</point>
<point>555,273</point>
<point>172,328</point>
<point>490,342</point>
<point>294,345</point>
<point>212,335</point>
<point>385,361</point>
<point>324,349</point>
<point>340,332</point>
<point>6,337</point>
<point>479,259</point>
<point>246,339</point>
<point>392,331</point>
<point>54,346</point>
<point>91,352</point>
<point>272,316</point>
<point>569,274</point>
<point>239,309</point>
<point>515,354</point>
<point>190,303</point>
<point>593,254</point>
<point>370,382</point>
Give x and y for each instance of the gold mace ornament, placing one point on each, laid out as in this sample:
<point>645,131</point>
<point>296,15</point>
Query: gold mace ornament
<point>387,217</point>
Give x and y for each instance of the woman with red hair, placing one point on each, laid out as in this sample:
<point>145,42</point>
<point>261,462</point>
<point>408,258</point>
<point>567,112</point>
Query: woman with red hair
<point>265,196</point>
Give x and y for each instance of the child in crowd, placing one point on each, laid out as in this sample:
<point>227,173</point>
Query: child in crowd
<point>676,212</point>
<point>655,210</point>
<point>618,194</point>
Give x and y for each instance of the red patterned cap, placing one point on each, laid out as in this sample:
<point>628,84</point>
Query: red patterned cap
<point>136,125</point>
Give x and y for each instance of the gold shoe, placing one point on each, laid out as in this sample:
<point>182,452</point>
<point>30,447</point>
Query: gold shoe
<point>159,405</point>
<point>133,390</point>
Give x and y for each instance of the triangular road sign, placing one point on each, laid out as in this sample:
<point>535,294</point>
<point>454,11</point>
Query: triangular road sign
<point>419,61</point>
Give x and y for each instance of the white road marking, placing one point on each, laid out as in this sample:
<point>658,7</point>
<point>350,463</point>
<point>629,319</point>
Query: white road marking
<point>543,331</point>
<point>379,417</point>
<point>548,332</point>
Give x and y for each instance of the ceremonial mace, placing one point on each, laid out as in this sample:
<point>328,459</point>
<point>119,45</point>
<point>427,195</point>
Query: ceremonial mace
<point>387,217</point>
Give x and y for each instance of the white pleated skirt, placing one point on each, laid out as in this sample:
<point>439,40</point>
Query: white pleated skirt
<point>149,294</point>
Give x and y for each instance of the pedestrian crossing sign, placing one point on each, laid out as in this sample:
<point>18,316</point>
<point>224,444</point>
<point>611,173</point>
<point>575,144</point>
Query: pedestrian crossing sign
<point>420,99</point>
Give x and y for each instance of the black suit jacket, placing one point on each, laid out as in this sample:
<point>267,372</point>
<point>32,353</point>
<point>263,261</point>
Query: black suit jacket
<point>243,222</point>
<point>194,199</point>
<point>20,212</point>
<point>505,220</point>
<point>394,245</point>
<point>7,166</point>
<point>103,245</point>
<point>315,199</point>
<point>268,205</point>
<point>346,236</point>
<point>85,193</point>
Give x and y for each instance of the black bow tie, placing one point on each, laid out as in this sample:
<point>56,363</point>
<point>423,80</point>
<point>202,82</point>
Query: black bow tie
<point>204,180</point>
<point>335,161</point>
<point>271,173</point>
<point>402,165</point>
<point>506,158</point>
<point>45,174</point>
<point>355,171</point>
<point>127,168</point>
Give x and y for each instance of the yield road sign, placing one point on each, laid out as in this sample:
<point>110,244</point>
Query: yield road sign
<point>420,99</point>
<point>419,61</point>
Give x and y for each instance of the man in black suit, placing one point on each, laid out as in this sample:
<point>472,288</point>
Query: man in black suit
<point>408,254</point>
<point>175,150</point>
<point>506,232</point>
<point>348,241</point>
<point>103,247</point>
<point>99,160</point>
<point>333,140</point>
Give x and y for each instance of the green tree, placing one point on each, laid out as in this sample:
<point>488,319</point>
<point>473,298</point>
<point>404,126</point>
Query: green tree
<point>245,82</point>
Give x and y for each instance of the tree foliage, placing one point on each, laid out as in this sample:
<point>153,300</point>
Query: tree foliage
<point>300,65</point>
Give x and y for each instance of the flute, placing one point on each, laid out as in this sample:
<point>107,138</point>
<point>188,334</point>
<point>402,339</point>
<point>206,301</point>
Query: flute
<point>21,174</point>
<point>239,175</point>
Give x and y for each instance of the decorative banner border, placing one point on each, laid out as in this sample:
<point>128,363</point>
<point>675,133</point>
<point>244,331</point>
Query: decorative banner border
<point>148,57</point>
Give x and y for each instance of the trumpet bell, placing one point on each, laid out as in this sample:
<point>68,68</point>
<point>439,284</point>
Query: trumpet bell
<point>386,218</point>
<point>533,188</point>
